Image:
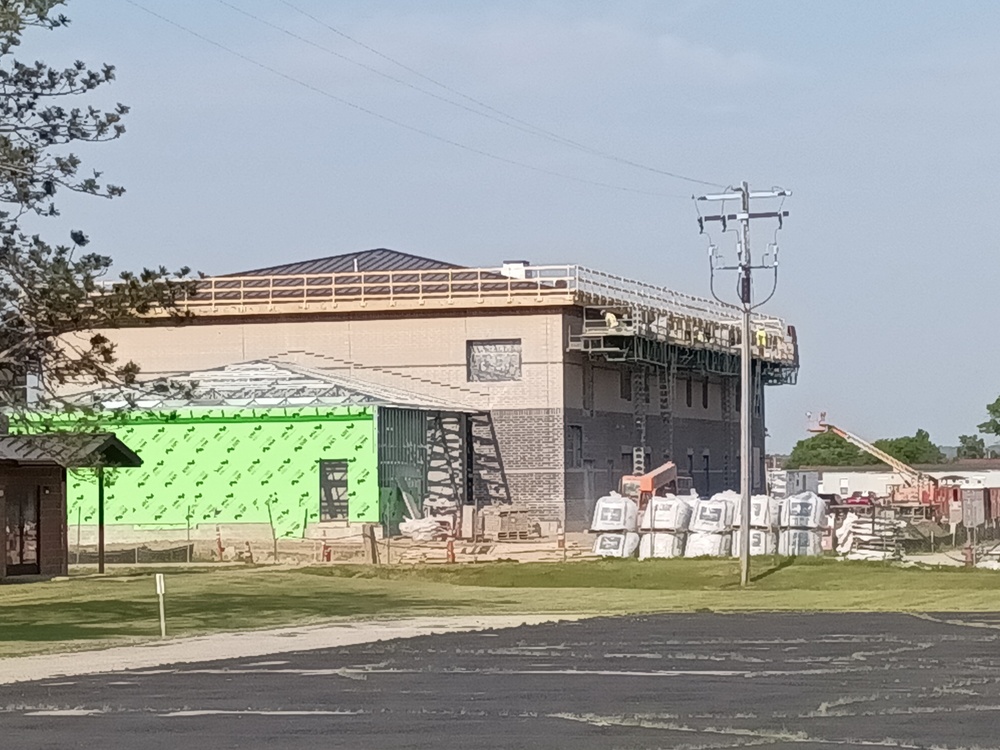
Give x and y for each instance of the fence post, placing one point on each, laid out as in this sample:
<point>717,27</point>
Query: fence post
<point>79,520</point>
<point>274,535</point>
<point>368,532</point>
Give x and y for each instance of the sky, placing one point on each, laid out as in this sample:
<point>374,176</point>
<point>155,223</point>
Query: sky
<point>881,117</point>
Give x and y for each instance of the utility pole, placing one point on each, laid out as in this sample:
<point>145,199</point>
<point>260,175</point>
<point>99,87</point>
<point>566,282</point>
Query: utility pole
<point>100,519</point>
<point>745,268</point>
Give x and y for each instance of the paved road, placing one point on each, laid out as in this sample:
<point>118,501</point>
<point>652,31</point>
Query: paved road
<point>670,681</point>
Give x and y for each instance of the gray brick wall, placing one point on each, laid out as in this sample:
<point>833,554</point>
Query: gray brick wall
<point>608,438</point>
<point>532,446</point>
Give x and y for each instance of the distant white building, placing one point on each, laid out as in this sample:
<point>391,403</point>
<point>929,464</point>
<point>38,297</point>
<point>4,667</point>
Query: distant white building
<point>845,481</point>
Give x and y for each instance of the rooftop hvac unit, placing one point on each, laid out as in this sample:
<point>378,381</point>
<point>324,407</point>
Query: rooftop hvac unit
<point>515,269</point>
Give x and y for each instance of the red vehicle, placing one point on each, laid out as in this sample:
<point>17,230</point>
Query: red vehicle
<point>861,498</point>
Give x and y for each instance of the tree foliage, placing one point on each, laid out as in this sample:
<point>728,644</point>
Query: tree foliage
<point>971,446</point>
<point>54,299</point>
<point>915,449</point>
<point>992,425</point>
<point>828,449</point>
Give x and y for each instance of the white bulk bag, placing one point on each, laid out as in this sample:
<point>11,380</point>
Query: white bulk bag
<point>801,543</point>
<point>667,513</point>
<point>807,510</point>
<point>765,511</point>
<point>730,496</point>
<point>762,542</point>
<point>712,516</point>
<point>615,513</point>
<point>616,545</point>
<point>700,544</point>
<point>661,544</point>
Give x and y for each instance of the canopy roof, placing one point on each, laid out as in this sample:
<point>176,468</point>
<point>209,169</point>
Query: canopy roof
<point>70,450</point>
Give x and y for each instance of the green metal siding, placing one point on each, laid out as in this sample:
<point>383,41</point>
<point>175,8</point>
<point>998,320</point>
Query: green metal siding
<point>402,449</point>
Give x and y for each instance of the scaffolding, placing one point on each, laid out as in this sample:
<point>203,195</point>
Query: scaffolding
<point>622,339</point>
<point>650,343</point>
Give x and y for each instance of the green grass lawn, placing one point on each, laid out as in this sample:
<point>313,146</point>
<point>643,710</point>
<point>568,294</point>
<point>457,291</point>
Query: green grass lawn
<point>94,611</point>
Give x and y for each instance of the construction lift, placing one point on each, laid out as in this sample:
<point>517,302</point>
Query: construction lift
<point>920,494</point>
<point>658,482</point>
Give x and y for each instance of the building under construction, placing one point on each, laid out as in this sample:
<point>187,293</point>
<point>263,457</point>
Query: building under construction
<point>569,377</point>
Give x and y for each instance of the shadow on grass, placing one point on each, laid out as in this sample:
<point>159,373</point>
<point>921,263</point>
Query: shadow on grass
<point>786,562</point>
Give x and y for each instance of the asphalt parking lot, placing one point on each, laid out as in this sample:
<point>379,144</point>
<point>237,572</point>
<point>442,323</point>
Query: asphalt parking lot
<point>666,681</point>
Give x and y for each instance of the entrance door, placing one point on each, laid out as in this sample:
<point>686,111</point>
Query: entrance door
<point>333,504</point>
<point>21,548</point>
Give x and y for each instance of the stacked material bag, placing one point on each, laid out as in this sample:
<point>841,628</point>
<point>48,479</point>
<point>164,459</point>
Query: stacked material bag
<point>615,512</point>
<point>664,523</point>
<point>661,544</point>
<point>877,538</point>
<point>667,513</point>
<point>615,520</point>
<point>800,543</point>
<point>621,544</point>
<point>762,541</point>
<point>765,513</point>
<point>711,526</point>
<point>803,519</point>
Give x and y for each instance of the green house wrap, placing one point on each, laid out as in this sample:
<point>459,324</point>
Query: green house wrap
<point>235,466</point>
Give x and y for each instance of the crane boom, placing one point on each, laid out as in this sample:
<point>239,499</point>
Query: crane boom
<point>909,475</point>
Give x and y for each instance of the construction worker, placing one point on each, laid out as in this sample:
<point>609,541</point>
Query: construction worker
<point>610,319</point>
<point>761,339</point>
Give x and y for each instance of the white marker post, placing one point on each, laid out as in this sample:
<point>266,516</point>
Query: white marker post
<point>160,590</point>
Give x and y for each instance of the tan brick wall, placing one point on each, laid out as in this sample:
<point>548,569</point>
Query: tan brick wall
<point>406,351</point>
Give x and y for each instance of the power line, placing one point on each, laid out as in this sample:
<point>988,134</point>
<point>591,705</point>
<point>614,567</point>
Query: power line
<point>386,118</point>
<point>527,129</point>
<point>535,129</point>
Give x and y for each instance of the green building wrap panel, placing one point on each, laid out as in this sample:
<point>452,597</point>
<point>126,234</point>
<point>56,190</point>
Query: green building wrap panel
<point>225,466</point>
